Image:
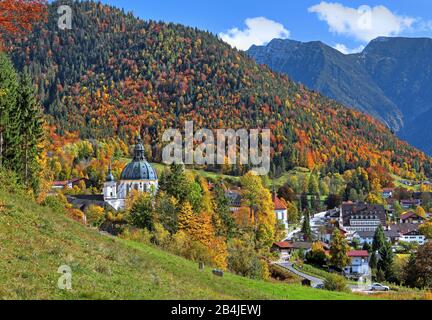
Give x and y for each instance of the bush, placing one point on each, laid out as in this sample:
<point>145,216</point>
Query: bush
<point>138,235</point>
<point>57,203</point>
<point>335,282</point>
<point>244,261</point>
<point>77,215</point>
<point>9,182</point>
<point>141,213</point>
<point>161,237</point>
<point>180,244</point>
<point>95,215</point>
<point>317,255</point>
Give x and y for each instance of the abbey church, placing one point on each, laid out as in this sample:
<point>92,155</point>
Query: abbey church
<point>137,175</point>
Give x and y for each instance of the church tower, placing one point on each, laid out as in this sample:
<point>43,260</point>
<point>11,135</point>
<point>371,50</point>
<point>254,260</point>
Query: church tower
<point>110,186</point>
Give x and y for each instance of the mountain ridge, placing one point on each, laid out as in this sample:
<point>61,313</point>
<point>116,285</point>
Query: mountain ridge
<point>380,80</point>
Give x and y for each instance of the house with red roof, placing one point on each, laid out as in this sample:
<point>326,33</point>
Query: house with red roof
<point>359,262</point>
<point>65,184</point>
<point>281,210</point>
<point>284,248</point>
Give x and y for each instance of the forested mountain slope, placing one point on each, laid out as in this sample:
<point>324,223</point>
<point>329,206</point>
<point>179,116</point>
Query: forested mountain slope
<point>113,73</point>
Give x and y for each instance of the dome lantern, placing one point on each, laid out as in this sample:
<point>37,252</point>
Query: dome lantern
<point>139,168</point>
<point>139,150</point>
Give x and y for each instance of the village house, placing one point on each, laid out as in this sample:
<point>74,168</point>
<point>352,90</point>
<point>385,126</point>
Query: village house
<point>284,249</point>
<point>287,248</point>
<point>69,184</point>
<point>234,199</point>
<point>410,203</point>
<point>359,262</point>
<point>325,232</point>
<point>387,193</point>
<point>409,232</point>
<point>360,216</point>
<point>411,217</point>
<point>363,237</point>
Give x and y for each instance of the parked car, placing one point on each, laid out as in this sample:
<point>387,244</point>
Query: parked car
<point>379,287</point>
<point>319,286</point>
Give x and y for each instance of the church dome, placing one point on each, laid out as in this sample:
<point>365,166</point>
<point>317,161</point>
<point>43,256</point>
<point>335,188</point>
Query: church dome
<point>139,168</point>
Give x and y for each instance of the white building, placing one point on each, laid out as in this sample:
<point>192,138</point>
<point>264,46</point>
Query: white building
<point>361,216</point>
<point>138,175</point>
<point>410,233</point>
<point>281,211</point>
<point>359,262</point>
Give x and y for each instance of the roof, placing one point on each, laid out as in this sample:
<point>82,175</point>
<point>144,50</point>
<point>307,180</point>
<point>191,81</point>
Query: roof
<point>65,182</point>
<point>362,210</point>
<point>283,244</point>
<point>279,204</point>
<point>411,201</point>
<point>139,168</point>
<point>418,195</point>
<point>60,183</point>
<point>358,253</point>
<point>234,197</point>
<point>388,189</point>
<point>302,245</point>
<point>392,233</point>
<point>404,228</point>
<point>84,201</point>
<point>410,214</point>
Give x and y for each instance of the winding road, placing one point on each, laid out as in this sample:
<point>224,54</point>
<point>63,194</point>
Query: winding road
<point>289,266</point>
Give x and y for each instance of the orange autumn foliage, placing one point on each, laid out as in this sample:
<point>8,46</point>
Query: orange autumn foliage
<point>18,16</point>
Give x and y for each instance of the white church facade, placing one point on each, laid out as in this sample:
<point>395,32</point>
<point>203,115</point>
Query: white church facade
<point>137,175</point>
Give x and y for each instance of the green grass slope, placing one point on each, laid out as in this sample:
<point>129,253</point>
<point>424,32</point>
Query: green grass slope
<point>35,241</point>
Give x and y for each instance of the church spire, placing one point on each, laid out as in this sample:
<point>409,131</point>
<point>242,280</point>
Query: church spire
<point>109,176</point>
<point>139,150</point>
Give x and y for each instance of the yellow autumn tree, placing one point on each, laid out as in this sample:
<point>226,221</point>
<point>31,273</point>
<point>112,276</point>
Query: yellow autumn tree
<point>421,212</point>
<point>261,207</point>
<point>95,215</point>
<point>200,228</point>
<point>185,217</point>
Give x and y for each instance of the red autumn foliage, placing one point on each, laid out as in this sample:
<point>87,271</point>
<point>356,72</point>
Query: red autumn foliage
<point>18,16</point>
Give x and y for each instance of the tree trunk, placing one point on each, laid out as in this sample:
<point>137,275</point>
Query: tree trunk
<point>1,148</point>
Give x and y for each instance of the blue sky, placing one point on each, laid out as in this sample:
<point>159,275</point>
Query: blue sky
<point>338,23</point>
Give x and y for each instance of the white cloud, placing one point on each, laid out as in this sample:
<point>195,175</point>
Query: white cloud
<point>345,50</point>
<point>364,23</point>
<point>259,31</point>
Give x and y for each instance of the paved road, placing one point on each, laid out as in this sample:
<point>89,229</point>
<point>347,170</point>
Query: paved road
<point>317,281</point>
<point>289,266</point>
